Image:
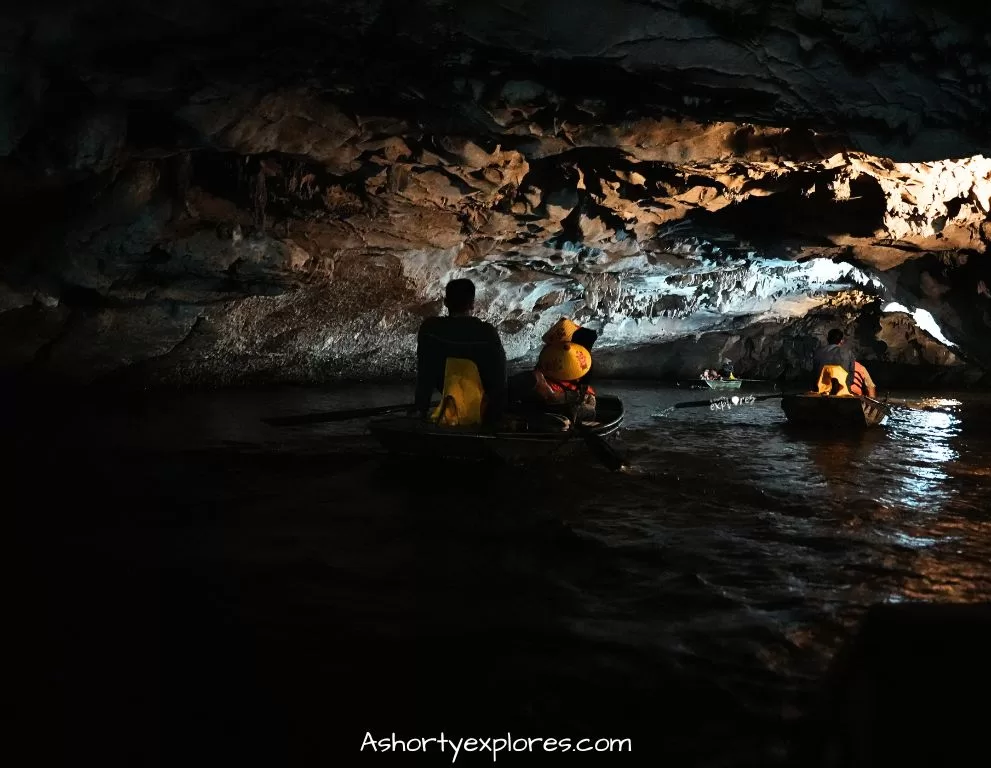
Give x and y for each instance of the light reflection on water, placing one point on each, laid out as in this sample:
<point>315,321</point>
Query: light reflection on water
<point>900,497</point>
<point>925,438</point>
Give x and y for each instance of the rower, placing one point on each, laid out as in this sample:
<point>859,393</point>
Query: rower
<point>559,382</point>
<point>463,357</point>
<point>836,355</point>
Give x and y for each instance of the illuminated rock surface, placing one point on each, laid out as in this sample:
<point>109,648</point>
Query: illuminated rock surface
<point>196,195</point>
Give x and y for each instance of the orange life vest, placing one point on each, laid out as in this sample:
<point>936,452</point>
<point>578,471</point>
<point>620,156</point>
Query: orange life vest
<point>566,386</point>
<point>858,385</point>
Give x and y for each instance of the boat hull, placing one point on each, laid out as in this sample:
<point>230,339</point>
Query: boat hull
<point>825,411</point>
<point>723,383</point>
<point>757,384</point>
<point>412,437</point>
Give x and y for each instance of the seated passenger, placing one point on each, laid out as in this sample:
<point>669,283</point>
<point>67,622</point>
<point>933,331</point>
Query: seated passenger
<point>558,383</point>
<point>558,380</point>
<point>521,385</point>
<point>862,383</point>
<point>461,356</point>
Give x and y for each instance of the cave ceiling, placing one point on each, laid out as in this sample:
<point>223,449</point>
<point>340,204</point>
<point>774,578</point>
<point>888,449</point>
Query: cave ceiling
<point>199,191</point>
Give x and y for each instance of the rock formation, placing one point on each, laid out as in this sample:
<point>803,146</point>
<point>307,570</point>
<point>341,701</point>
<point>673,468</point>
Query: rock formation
<point>194,194</point>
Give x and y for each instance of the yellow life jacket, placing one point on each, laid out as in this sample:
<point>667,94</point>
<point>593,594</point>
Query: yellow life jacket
<point>826,377</point>
<point>463,399</point>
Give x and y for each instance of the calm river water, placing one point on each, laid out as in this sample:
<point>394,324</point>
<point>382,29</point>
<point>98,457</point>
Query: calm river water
<point>212,590</point>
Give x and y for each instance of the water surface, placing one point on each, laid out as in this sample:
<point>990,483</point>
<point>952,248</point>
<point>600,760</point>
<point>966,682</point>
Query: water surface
<point>215,590</point>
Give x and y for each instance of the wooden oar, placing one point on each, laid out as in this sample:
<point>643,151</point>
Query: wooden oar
<point>325,416</point>
<point>751,398</point>
<point>597,444</point>
<point>923,408</point>
<point>705,403</point>
<point>602,451</point>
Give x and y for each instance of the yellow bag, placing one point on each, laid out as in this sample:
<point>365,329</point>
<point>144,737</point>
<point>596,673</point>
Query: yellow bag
<point>826,377</point>
<point>462,401</point>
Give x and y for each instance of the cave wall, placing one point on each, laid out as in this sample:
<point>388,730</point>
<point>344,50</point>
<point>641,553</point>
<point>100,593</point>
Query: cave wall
<point>200,196</point>
<point>894,349</point>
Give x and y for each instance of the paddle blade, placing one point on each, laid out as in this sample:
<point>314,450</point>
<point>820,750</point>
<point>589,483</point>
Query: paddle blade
<point>602,451</point>
<point>746,399</point>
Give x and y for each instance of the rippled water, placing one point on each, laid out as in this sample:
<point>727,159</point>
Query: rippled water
<point>216,589</point>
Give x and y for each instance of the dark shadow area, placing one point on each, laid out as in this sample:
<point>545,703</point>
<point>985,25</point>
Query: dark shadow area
<point>794,212</point>
<point>920,662</point>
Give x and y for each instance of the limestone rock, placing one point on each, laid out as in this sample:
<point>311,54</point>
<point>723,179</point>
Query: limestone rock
<point>287,201</point>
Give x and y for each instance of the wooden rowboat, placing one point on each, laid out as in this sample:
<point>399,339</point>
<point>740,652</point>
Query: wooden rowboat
<point>723,383</point>
<point>411,436</point>
<point>756,384</point>
<point>827,411</point>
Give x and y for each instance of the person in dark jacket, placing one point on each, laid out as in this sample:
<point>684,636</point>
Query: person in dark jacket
<point>834,353</point>
<point>461,336</point>
<point>837,353</point>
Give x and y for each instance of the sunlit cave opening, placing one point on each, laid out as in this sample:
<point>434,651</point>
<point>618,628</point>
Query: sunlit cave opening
<point>923,319</point>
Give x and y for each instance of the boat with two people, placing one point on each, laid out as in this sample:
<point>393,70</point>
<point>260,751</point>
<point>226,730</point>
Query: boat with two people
<point>834,405</point>
<point>519,439</point>
<point>724,379</point>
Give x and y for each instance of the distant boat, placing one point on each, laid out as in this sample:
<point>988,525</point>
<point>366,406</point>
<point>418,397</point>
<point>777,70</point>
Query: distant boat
<point>727,384</point>
<point>723,383</point>
<point>827,411</point>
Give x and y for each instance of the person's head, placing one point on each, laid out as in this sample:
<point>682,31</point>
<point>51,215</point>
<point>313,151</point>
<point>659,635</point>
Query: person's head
<point>584,337</point>
<point>835,336</point>
<point>459,297</point>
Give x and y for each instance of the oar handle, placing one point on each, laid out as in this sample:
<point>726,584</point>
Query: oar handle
<point>705,403</point>
<point>325,416</point>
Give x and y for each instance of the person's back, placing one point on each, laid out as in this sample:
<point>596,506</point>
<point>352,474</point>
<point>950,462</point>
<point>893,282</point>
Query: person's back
<point>460,336</point>
<point>834,353</point>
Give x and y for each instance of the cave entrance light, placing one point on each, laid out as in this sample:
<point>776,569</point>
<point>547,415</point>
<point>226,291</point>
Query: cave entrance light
<point>923,319</point>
